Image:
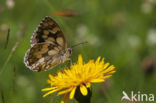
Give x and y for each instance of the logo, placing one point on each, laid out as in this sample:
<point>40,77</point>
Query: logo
<point>137,96</point>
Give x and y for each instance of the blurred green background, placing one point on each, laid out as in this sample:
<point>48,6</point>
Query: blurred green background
<point>124,32</point>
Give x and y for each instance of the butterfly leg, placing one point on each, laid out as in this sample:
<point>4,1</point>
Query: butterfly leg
<point>70,61</point>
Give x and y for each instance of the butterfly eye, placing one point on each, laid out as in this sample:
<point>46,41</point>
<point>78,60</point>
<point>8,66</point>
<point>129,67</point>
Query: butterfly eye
<point>70,51</point>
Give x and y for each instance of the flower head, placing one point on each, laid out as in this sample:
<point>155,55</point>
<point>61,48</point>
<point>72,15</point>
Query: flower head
<point>79,75</point>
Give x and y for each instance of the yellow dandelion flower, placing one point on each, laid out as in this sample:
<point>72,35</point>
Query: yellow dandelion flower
<point>79,75</point>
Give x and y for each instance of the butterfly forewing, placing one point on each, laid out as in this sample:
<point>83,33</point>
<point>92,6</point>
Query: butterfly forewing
<point>48,31</point>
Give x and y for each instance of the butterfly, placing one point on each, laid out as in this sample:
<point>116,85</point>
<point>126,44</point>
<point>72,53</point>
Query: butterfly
<point>48,47</point>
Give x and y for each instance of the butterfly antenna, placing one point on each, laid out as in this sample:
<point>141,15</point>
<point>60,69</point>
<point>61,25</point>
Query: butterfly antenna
<point>79,44</point>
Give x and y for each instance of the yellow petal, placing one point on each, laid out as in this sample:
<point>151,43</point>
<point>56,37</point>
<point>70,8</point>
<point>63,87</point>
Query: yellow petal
<point>64,91</point>
<point>107,76</point>
<point>106,65</point>
<point>65,98</point>
<point>80,60</point>
<point>47,89</point>
<point>72,93</point>
<point>102,61</point>
<point>50,76</point>
<point>87,85</point>
<point>98,59</point>
<point>97,80</point>
<point>91,61</point>
<point>83,90</point>
<point>50,92</point>
<point>109,69</point>
<point>112,72</point>
<point>49,81</point>
<point>59,74</point>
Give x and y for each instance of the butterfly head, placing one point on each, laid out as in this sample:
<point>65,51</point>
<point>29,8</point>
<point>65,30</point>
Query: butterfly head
<point>69,51</point>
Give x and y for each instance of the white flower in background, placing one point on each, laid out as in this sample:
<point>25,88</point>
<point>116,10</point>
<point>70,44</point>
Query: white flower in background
<point>10,3</point>
<point>151,1</point>
<point>148,6</point>
<point>134,40</point>
<point>151,37</point>
<point>82,30</point>
<point>84,34</point>
<point>22,81</point>
<point>29,90</point>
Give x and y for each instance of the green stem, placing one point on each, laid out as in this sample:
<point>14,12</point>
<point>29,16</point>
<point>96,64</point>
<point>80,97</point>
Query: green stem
<point>9,57</point>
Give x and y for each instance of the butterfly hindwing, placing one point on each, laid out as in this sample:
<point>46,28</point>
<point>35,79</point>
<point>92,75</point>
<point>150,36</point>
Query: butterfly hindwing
<point>48,31</point>
<point>42,56</point>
